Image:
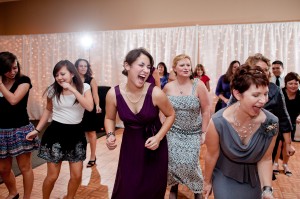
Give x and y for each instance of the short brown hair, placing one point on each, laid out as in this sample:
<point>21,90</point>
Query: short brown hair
<point>247,75</point>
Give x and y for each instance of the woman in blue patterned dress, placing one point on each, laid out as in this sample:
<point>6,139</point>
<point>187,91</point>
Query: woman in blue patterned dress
<point>191,103</point>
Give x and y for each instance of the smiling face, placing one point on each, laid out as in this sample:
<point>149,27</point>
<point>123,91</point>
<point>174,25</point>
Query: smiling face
<point>139,70</point>
<point>292,86</point>
<point>82,67</point>
<point>253,99</point>
<point>64,75</point>
<point>11,74</point>
<point>161,69</point>
<point>199,72</point>
<point>183,68</point>
<point>277,69</point>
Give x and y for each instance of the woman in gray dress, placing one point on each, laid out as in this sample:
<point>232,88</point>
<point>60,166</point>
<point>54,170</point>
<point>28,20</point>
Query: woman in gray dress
<point>240,141</point>
<point>189,97</point>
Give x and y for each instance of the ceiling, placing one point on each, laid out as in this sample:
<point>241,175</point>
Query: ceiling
<point>2,1</point>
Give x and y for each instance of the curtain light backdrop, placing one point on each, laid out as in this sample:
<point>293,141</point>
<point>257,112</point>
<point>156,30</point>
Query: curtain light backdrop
<point>213,46</point>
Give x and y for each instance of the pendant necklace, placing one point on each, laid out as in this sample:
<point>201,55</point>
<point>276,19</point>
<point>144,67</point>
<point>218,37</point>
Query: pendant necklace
<point>132,101</point>
<point>180,91</point>
<point>245,130</point>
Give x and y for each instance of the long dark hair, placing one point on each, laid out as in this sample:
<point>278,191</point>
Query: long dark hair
<point>165,68</point>
<point>7,60</point>
<point>89,71</point>
<point>56,89</point>
<point>229,74</point>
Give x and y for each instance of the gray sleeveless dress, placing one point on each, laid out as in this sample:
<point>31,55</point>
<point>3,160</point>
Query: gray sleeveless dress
<point>235,174</point>
<point>184,142</point>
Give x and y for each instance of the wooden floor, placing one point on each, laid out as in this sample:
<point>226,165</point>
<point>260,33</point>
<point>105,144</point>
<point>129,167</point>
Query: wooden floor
<point>98,181</point>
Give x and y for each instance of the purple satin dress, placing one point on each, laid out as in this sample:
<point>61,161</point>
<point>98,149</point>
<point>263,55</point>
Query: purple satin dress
<point>142,173</point>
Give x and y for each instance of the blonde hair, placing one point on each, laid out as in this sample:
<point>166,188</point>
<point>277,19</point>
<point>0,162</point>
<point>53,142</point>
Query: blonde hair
<point>253,60</point>
<point>178,58</point>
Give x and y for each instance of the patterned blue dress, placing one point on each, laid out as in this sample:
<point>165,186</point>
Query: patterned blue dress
<point>184,142</point>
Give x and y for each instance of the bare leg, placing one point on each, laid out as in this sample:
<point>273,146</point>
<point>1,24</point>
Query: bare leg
<point>75,178</point>
<point>24,163</point>
<point>285,161</point>
<point>92,137</point>
<point>53,171</point>
<point>275,164</point>
<point>8,176</point>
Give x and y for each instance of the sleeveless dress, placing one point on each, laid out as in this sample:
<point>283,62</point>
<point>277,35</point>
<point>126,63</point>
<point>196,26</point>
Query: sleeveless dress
<point>141,173</point>
<point>151,79</point>
<point>236,167</point>
<point>184,142</point>
<point>90,120</point>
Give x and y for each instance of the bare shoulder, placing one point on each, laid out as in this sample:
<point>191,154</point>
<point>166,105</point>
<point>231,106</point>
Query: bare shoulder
<point>111,93</point>
<point>169,87</point>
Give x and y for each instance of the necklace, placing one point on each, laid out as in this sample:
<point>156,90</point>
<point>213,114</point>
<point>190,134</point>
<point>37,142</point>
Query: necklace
<point>180,91</point>
<point>132,101</point>
<point>242,131</point>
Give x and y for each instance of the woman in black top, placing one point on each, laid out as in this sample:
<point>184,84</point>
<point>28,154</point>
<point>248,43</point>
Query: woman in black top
<point>15,125</point>
<point>292,99</point>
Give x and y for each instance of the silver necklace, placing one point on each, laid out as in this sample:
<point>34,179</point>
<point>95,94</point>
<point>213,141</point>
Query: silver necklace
<point>132,101</point>
<point>180,91</point>
<point>242,131</point>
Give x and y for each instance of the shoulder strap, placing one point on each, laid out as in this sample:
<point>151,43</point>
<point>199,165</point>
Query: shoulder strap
<point>195,81</point>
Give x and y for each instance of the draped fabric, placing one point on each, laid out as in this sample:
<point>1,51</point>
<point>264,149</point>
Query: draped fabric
<point>213,46</point>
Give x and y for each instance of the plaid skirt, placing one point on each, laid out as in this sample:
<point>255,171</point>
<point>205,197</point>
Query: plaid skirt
<point>13,141</point>
<point>63,142</point>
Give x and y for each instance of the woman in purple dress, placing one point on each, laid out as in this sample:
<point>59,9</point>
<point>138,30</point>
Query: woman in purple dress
<point>143,161</point>
<point>223,86</point>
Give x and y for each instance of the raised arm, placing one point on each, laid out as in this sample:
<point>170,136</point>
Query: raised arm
<point>85,100</point>
<point>17,96</point>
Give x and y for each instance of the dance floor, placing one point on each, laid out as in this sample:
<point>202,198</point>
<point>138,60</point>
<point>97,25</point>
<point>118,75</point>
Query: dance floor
<point>98,181</point>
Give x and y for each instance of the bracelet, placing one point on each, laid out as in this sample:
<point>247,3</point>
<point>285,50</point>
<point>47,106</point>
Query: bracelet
<point>37,131</point>
<point>109,134</point>
<point>267,189</point>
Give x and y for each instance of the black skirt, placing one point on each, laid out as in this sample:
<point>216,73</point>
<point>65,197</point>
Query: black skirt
<point>63,142</point>
<point>91,121</point>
